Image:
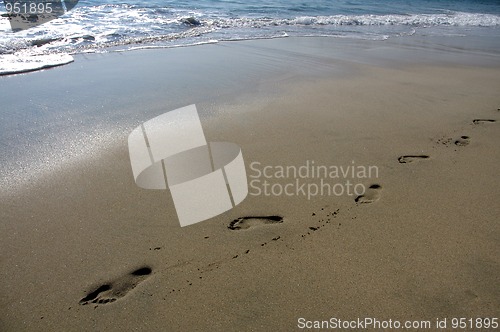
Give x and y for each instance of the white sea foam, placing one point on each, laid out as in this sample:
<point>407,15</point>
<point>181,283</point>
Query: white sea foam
<point>15,64</point>
<point>135,48</point>
<point>99,28</point>
<point>452,19</point>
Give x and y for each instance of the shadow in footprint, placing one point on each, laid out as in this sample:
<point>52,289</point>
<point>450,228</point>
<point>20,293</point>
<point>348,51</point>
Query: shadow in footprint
<point>371,195</point>
<point>117,289</point>
<point>247,222</point>
<point>478,121</point>
<point>411,158</point>
<point>463,141</point>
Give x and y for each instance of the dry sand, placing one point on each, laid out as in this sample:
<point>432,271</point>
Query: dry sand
<point>84,249</point>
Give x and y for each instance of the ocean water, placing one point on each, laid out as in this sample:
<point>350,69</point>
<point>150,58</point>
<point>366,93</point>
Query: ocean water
<point>105,26</point>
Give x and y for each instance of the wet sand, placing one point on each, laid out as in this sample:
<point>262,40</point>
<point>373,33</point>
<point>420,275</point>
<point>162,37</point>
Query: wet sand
<point>84,248</point>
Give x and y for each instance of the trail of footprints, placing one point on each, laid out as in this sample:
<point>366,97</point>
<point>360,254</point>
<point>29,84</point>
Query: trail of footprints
<point>112,291</point>
<point>463,140</point>
<point>371,195</point>
<point>411,158</point>
<point>247,222</point>
<point>324,217</point>
<point>478,121</point>
<point>120,287</point>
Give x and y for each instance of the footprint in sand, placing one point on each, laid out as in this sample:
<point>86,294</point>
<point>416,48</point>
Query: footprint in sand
<point>463,141</point>
<point>411,158</point>
<point>117,289</point>
<point>478,121</point>
<point>370,196</point>
<point>247,222</point>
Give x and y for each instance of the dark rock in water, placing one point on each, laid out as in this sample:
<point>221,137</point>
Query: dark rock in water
<point>41,42</point>
<point>86,37</point>
<point>191,21</point>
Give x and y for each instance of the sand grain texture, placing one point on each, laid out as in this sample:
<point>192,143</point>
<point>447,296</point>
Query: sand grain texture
<point>83,248</point>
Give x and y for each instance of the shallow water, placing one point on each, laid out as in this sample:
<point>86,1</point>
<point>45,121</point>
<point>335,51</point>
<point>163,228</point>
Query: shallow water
<point>101,26</point>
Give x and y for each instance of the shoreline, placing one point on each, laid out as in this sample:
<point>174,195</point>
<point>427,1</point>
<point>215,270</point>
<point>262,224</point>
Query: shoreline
<point>482,46</point>
<point>421,242</point>
<point>270,66</point>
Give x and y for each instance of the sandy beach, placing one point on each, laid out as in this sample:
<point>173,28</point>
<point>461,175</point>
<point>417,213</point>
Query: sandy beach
<point>85,249</point>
